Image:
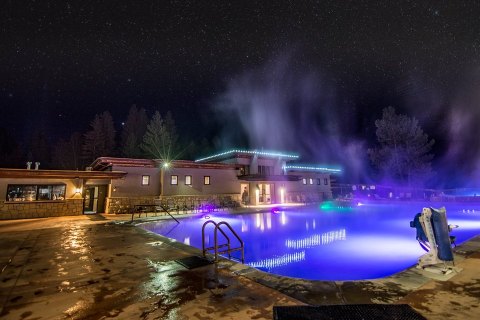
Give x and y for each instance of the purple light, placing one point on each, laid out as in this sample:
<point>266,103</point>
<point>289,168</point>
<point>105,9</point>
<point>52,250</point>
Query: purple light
<point>369,242</point>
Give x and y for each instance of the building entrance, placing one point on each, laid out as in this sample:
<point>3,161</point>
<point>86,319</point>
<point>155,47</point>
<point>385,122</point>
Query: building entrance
<point>265,191</point>
<point>94,199</point>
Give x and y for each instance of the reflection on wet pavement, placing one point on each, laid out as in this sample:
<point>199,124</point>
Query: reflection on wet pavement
<point>95,269</point>
<point>107,270</point>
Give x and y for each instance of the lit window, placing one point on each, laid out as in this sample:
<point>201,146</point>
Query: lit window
<point>18,192</point>
<point>206,180</point>
<point>310,181</point>
<point>325,181</point>
<point>145,180</point>
<point>174,180</point>
<point>188,180</point>
<point>304,180</point>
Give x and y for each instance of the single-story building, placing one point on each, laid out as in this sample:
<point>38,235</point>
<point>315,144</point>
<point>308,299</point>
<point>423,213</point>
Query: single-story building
<point>34,193</point>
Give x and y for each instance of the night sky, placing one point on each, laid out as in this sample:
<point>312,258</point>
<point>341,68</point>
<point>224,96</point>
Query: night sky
<point>305,76</point>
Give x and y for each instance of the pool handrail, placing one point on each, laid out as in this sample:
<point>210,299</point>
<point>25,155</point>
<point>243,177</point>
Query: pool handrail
<point>217,246</point>
<point>205,250</point>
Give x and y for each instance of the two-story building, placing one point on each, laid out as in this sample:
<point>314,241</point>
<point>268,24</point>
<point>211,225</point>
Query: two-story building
<point>118,185</point>
<point>234,177</point>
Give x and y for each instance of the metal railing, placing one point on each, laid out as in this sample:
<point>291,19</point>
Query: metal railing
<point>225,247</point>
<point>143,208</point>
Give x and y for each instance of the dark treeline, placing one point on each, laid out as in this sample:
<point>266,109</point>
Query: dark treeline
<point>402,155</point>
<point>140,136</point>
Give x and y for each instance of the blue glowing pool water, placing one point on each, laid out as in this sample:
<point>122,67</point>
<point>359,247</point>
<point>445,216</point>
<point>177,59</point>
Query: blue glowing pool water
<point>365,242</point>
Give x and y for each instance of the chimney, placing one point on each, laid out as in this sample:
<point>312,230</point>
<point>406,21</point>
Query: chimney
<point>29,165</point>
<point>37,164</point>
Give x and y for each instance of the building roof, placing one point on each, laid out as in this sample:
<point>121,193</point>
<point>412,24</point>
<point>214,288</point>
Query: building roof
<point>60,174</point>
<point>234,153</point>
<point>104,163</point>
<point>310,168</point>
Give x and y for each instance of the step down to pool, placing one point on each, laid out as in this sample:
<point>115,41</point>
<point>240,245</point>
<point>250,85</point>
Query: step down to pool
<point>193,262</point>
<point>217,248</point>
<point>352,312</point>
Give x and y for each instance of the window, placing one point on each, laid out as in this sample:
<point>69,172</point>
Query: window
<point>318,181</point>
<point>310,181</point>
<point>145,180</point>
<point>174,180</point>
<point>265,170</point>
<point>245,170</point>
<point>188,180</point>
<point>206,180</point>
<point>304,180</point>
<point>325,181</point>
<point>20,192</point>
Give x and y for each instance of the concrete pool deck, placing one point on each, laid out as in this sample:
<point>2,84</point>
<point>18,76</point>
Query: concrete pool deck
<point>102,266</point>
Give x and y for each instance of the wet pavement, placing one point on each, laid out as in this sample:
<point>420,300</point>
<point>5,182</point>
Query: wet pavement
<point>102,266</point>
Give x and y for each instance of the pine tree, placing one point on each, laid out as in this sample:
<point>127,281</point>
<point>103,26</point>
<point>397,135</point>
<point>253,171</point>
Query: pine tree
<point>403,154</point>
<point>133,132</point>
<point>39,149</point>
<point>100,140</point>
<point>67,153</point>
<point>160,139</point>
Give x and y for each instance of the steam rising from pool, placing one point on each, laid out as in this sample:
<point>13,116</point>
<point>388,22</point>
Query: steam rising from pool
<point>284,106</point>
<point>290,104</point>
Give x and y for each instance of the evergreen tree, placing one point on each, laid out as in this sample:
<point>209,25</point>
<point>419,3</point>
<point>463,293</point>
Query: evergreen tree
<point>11,155</point>
<point>39,149</point>
<point>67,153</point>
<point>160,139</point>
<point>100,140</point>
<point>133,132</point>
<point>403,154</point>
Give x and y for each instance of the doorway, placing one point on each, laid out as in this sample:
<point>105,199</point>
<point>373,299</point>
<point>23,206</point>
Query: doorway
<point>265,191</point>
<point>94,199</point>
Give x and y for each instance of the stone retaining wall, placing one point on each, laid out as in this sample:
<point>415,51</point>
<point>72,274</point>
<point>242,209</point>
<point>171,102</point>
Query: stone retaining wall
<point>126,204</point>
<point>40,209</point>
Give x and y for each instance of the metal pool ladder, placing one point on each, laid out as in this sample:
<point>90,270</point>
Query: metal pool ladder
<point>225,247</point>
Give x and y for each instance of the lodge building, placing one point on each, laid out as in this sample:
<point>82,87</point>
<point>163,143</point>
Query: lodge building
<point>118,185</point>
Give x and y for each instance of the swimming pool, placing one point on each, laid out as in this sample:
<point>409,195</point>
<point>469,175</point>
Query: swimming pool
<point>363,242</point>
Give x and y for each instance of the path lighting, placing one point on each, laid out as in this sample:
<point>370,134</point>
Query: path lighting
<point>166,165</point>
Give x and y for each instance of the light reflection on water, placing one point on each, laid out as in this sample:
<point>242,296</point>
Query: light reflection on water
<point>367,242</point>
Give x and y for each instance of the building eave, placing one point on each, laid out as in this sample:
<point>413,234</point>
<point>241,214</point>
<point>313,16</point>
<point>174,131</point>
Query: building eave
<point>103,163</point>
<point>59,174</point>
<point>203,165</point>
<point>260,177</point>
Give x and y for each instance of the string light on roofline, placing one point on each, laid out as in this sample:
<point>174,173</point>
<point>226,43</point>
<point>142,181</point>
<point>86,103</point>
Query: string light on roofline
<point>312,168</point>
<point>261,153</point>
